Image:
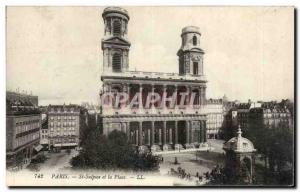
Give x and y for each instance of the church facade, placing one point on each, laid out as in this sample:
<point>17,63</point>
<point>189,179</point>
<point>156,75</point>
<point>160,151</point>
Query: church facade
<point>175,121</point>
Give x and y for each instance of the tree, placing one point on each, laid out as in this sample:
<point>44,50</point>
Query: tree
<point>275,143</point>
<point>112,152</point>
<point>41,158</point>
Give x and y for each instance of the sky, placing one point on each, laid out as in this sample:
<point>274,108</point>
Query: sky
<point>55,52</point>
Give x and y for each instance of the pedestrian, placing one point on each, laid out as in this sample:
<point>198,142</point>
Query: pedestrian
<point>175,161</point>
<point>207,175</point>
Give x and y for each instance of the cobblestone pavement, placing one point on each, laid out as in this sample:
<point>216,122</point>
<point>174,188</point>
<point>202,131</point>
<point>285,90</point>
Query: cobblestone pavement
<point>193,162</point>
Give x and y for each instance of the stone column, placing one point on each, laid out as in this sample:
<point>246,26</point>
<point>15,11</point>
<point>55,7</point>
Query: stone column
<point>140,95</point>
<point>123,63</point>
<point>192,132</point>
<point>198,131</point>
<point>149,136</point>
<point>170,136</point>
<point>187,127</point>
<point>188,90</point>
<point>201,132</point>
<point>204,95</point>
<point>109,98</point>
<point>140,133</point>
<point>204,131</point>
<point>175,90</point>
<point>176,132</point>
<point>199,96</point>
<point>159,136</point>
<point>128,92</point>
<point>137,136</point>
<point>164,93</point>
<point>152,133</point>
<point>152,92</point>
<point>127,60</point>
<point>121,126</point>
<point>165,132</point>
<point>109,59</point>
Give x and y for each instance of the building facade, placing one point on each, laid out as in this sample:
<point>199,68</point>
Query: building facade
<point>63,126</point>
<point>242,111</point>
<point>163,124</point>
<point>23,123</point>
<point>272,116</point>
<point>264,114</point>
<point>44,140</point>
<point>215,118</point>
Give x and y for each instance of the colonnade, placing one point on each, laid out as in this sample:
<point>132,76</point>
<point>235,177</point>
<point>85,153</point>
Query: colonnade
<point>165,134</point>
<point>144,89</point>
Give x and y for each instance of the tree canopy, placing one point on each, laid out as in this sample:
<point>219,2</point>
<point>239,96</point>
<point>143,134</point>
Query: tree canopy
<point>112,152</point>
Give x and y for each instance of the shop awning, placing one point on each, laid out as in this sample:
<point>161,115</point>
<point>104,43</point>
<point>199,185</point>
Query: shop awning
<point>38,148</point>
<point>65,144</point>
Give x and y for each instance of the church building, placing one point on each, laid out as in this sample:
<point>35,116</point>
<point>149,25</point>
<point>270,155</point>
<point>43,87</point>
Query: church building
<point>158,125</point>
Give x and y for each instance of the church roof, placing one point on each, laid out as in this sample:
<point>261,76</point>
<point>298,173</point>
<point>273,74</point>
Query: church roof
<point>239,144</point>
<point>115,10</point>
<point>190,47</point>
<point>191,29</point>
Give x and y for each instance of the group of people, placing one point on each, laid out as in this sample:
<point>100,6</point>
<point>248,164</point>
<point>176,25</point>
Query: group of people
<point>181,173</point>
<point>215,174</point>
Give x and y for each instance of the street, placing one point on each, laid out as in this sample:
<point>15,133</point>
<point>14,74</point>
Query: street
<point>194,162</point>
<point>57,161</point>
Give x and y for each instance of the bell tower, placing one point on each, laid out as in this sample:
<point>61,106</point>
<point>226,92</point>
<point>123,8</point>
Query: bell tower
<point>115,45</point>
<point>190,54</point>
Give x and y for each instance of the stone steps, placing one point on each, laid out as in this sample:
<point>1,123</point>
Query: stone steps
<point>172,148</point>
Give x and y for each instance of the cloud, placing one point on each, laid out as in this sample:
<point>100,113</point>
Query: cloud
<point>56,51</point>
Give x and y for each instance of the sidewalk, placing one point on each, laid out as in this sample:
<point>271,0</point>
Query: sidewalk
<point>184,151</point>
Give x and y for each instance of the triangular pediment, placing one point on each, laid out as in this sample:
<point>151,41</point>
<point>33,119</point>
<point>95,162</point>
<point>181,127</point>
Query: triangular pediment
<point>116,40</point>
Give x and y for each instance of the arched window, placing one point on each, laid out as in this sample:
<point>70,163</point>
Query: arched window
<point>116,62</point>
<point>194,40</point>
<point>117,28</point>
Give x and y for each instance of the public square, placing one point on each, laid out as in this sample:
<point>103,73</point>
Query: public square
<point>55,161</point>
<point>194,162</point>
